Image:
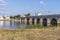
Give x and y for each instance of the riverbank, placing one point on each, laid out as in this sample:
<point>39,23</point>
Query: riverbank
<point>30,34</point>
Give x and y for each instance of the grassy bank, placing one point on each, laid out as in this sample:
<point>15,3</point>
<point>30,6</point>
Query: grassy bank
<point>39,26</point>
<point>30,34</point>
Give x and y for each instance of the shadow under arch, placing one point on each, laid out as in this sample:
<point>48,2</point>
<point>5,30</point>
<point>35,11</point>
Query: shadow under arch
<point>38,20</point>
<point>54,22</point>
<point>44,22</point>
<point>27,21</point>
<point>21,20</point>
<point>33,21</point>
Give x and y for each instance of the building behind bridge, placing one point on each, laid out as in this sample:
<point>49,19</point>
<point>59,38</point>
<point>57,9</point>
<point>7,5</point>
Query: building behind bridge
<point>4,18</point>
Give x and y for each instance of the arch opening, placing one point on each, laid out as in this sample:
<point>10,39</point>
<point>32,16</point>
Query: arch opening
<point>54,22</point>
<point>32,20</point>
<point>44,22</point>
<point>38,20</point>
<point>27,21</point>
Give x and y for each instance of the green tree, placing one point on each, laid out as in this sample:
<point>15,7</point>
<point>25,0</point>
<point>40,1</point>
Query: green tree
<point>27,14</point>
<point>17,17</point>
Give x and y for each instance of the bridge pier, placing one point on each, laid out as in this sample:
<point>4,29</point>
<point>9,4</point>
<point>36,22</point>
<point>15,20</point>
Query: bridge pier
<point>48,22</point>
<point>41,22</point>
<point>58,22</point>
<point>20,20</point>
<point>30,21</point>
<point>25,21</point>
<point>35,21</point>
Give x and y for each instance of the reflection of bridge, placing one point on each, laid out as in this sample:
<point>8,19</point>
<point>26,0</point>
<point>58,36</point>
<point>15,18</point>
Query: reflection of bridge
<point>44,20</point>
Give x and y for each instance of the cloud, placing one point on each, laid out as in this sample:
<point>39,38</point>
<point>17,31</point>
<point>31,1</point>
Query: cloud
<point>3,2</point>
<point>44,3</point>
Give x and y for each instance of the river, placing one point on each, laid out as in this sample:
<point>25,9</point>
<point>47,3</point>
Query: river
<point>11,24</point>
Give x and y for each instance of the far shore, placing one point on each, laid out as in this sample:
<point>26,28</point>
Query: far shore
<point>9,20</point>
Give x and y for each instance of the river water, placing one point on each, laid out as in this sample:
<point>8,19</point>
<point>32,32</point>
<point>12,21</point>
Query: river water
<point>11,24</point>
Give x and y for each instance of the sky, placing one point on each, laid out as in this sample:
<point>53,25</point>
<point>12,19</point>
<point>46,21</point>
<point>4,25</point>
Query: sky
<point>15,7</point>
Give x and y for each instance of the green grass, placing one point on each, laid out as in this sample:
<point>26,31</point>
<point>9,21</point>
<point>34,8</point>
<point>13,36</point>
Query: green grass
<point>33,26</point>
<point>38,26</point>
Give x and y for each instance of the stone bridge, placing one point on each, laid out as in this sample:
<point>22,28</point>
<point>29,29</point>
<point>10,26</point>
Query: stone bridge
<point>44,20</point>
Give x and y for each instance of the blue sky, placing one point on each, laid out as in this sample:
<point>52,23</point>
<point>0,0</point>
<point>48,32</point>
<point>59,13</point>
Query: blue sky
<point>15,7</point>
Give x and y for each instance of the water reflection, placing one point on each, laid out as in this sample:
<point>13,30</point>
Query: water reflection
<point>10,24</point>
<point>1,24</point>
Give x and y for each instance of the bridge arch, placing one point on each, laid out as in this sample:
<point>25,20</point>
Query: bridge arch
<point>28,21</point>
<point>54,22</point>
<point>44,22</point>
<point>38,20</point>
<point>32,20</point>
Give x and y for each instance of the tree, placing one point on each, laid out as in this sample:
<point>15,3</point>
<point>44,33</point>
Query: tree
<point>11,17</point>
<point>17,17</point>
<point>27,14</point>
